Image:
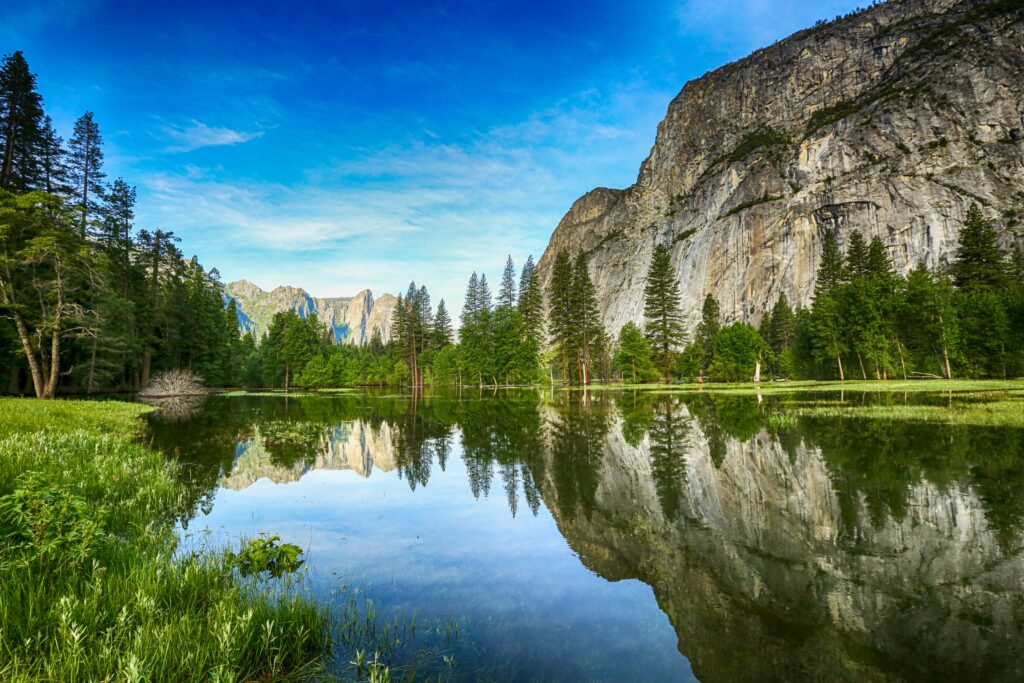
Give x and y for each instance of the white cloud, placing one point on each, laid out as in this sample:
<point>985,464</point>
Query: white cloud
<point>199,135</point>
<point>433,210</point>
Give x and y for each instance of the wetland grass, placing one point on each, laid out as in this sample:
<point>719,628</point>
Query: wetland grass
<point>89,588</point>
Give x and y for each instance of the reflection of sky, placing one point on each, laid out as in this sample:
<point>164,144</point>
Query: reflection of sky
<point>513,584</point>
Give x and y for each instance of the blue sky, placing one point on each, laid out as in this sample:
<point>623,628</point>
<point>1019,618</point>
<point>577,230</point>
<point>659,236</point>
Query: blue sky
<point>342,145</point>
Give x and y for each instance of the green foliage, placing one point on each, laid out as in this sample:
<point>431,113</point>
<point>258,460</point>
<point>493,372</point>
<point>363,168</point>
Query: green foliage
<point>265,555</point>
<point>738,348</point>
<point>48,528</point>
<point>765,198</point>
<point>707,330</point>
<point>766,137</point>
<point>89,585</point>
<point>633,356</point>
<point>664,320</point>
<point>981,264</point>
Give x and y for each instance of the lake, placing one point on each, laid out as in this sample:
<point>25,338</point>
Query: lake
<point>610,536</point>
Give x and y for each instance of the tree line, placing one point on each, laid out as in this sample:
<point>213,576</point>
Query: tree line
<point>866,322</point>
<point>88,302</point>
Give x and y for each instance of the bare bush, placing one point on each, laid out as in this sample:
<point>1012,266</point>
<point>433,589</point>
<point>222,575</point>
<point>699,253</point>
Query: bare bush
<point>173,383</point>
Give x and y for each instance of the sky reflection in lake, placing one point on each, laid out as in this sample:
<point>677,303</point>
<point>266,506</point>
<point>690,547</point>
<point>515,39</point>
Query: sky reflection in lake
<point>605,538</point>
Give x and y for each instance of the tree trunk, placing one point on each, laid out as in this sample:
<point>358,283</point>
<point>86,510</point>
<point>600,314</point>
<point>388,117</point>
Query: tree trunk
<point>863,372</point>
<point>30,355</point>
<point>757,371</point>
<point>9,135</point>
<point>147,360</point>
<point>51,385</point>
<point>287,373</point>
<point>90,381</point>
<point>839,362</point>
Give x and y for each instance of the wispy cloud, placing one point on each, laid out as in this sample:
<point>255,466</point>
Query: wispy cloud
<point>430,208</point>
<point>198,134</point>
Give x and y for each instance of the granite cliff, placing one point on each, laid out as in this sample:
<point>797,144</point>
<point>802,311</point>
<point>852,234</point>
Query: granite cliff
<point>353,320</point>
<point>889,122</point>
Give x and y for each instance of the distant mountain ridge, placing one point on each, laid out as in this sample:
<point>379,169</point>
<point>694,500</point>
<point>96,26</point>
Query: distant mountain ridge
<point>353,320</point>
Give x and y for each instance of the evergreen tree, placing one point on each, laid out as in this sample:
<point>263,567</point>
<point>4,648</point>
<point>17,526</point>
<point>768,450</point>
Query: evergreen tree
<point>21,125</point>
<point>53,161</point>
<point>85,164</point>
<point>442,331</point>
<point>586,323</point>
<point>831,271</point>
<point>980,261</point>
<point>531,301</point>
<point>927,321</point>
<point>665,324</point>
<point>633,355</point>
<point>857,256</point>
<point>507,292</point>
<point>878,262</point>
<point>560,309</point>
<point>707,329</point>
<point>115,232</point>
<point>781,336</point>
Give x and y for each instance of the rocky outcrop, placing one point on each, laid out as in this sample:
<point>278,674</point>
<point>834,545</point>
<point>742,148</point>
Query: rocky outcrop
<point>890,122</point>
<point>353,320</point>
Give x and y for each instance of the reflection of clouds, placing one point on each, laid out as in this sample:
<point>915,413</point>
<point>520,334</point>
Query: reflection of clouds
<point>357,446</point>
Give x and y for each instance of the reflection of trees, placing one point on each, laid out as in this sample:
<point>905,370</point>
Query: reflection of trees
<point>577,450</point>
<point>668,436</point>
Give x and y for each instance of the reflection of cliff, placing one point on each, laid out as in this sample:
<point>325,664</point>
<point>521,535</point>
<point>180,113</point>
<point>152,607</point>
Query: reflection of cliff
<point>357,446</point>
<point>764,579</point>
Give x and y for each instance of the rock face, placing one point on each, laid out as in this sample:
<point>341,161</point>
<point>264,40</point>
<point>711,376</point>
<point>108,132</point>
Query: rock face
<point>353,320</point>
<point>890,122</point>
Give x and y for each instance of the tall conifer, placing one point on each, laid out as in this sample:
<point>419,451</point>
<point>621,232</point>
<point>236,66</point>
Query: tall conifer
<point>664,320</point>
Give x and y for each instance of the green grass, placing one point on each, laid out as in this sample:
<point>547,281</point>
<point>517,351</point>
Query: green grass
<point>803,386</point>
<point>89,587</point>
<point>998,413</point>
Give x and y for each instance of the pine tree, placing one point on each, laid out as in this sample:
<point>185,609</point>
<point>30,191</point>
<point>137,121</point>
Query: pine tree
<point>586,323</point>
<point>442,330</point>
<point>857,256</point>
<point>85,157</point>
<point>831,271</point>
<point>707,329</point>
<point>560,322</point>
<point>782,333</point>
<point>665,323</point>
<point>115,232</point>
<point>53,161</point>
<point>531,302</point>
<point>980,261</point>
<point>879,263</point>
<point>21,125</point>
<point>507,292</point>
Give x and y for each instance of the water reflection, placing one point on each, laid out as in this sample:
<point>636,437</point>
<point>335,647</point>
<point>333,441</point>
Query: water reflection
<point>778,549</point>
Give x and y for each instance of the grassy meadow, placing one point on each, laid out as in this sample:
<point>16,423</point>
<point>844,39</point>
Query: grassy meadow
<point>89,589</point>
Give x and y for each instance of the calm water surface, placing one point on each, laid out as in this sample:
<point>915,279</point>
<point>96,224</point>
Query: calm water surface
<point>630,537</point>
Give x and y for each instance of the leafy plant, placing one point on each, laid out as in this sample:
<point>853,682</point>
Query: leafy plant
<point>266,554</point>
<point>48,527</point>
